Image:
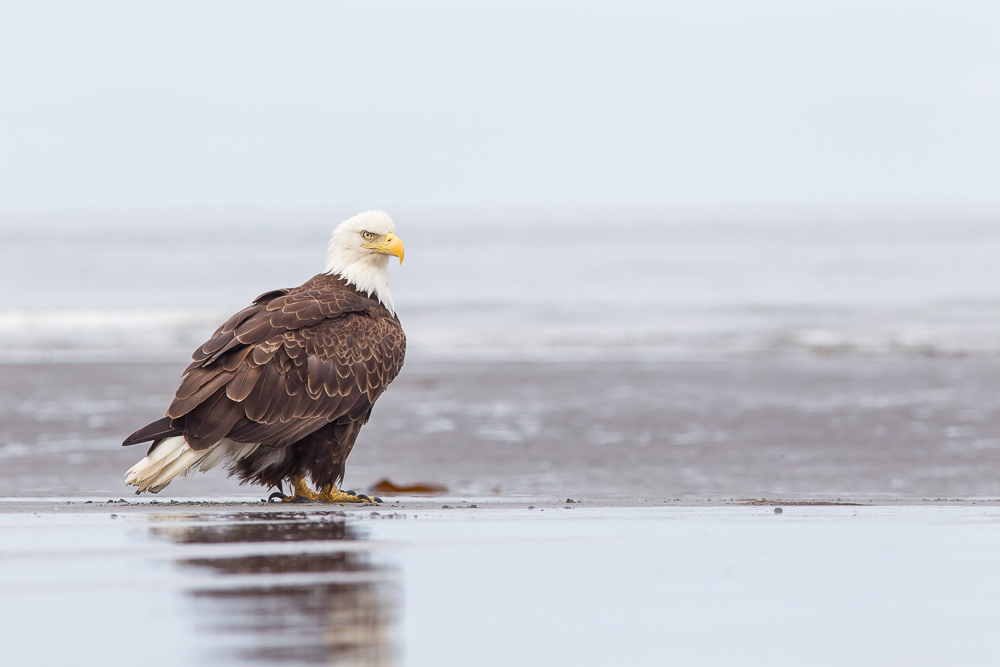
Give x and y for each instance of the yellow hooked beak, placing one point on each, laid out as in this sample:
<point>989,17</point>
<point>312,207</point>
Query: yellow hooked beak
<point>391,245</point>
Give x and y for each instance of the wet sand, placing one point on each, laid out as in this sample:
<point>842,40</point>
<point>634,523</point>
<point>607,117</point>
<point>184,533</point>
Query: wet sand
<point>815,427</point>
<point>408,584</point>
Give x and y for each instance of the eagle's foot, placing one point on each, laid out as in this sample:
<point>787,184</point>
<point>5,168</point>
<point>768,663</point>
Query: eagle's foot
<point>303,493</point>
<point>331,494</point>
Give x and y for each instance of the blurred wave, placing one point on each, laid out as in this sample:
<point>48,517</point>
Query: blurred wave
<point>547,290</point>
<point>85,336</point>
<point>503,331</point>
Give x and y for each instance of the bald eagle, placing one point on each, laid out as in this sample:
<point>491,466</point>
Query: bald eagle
<point>281,390</point>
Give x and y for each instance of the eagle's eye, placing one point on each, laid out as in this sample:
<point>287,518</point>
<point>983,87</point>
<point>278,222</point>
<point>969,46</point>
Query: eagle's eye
<point>367,236</point>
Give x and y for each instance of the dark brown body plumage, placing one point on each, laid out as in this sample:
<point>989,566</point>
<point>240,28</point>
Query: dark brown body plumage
<point>297,372</point>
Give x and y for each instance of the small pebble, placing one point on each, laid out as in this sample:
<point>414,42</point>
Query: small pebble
<point>778,510</point>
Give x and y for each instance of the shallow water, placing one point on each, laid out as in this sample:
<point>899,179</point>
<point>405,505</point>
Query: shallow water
<point>109,585</point>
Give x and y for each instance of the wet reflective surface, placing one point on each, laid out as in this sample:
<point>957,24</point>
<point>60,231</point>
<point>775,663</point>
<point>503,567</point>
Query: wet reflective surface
<point>110,585</point>
<point>282,588</point>
<point>328,606</point>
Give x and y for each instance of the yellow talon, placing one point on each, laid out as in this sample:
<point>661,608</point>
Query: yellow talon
<point>330,493</point>
<point>302,490</point>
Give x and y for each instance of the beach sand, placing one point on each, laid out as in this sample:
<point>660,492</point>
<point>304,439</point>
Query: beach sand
<point>840,426</point>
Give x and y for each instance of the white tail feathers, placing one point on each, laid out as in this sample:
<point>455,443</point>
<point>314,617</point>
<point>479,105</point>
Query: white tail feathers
<point>173,457</point>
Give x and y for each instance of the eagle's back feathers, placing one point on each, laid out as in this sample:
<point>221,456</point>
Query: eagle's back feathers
<point>298,370</point>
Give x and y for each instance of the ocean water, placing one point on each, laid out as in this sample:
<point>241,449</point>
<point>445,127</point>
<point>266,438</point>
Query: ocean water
<point>152,288</point>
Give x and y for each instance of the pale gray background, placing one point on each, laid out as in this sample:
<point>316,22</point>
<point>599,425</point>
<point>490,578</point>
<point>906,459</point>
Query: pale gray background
<point>465,108</point>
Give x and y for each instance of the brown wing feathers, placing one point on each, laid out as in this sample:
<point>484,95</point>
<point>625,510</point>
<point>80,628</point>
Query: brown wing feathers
<point>161,428</point>
<point>211,420</point>
<point>286,366</point>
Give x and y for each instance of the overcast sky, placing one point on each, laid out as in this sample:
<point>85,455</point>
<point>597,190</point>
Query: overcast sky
<point>287,105</point>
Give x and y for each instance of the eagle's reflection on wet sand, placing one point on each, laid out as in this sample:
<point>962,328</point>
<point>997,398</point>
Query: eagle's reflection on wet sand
<point>329,603</point>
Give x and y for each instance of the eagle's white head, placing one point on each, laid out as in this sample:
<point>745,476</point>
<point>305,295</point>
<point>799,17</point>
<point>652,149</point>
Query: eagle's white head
<point>359,253</point>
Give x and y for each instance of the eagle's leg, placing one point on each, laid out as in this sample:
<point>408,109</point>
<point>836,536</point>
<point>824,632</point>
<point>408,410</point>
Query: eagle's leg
<point>302,491</point>
<point>331,494</point>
